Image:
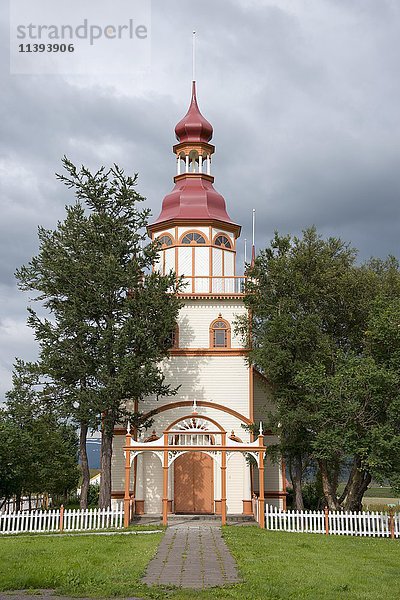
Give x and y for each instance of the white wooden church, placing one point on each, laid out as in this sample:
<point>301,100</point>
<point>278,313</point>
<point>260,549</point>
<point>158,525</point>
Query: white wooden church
<point>199,458</point>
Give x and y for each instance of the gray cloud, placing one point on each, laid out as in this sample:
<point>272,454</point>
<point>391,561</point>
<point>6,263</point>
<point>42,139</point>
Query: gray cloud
<point>304,98</point>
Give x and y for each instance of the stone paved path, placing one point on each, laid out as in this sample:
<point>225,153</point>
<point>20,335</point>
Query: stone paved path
<point>192,556</point>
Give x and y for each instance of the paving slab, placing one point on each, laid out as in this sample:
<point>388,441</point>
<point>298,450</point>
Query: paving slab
<point>192,555</point>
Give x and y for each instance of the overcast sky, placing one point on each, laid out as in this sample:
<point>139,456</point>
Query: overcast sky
<point>304,97</point>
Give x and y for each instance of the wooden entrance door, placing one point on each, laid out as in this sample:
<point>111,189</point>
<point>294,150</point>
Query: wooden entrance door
<point>194,483</point>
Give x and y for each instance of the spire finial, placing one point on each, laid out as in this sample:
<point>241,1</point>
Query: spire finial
<point>194,56</point>
<point>261,428</point>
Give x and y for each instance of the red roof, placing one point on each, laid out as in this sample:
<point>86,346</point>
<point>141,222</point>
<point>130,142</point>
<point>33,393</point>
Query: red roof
<point>194,127</point>
<point>193,198</point>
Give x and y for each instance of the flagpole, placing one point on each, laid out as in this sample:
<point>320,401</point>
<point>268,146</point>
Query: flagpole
<point>253,249</point>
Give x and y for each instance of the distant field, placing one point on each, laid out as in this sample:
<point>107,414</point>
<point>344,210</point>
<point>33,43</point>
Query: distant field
<point>375,492</point>
<point>380,492</point>
<point>378,498</point>
<point>381,504</point>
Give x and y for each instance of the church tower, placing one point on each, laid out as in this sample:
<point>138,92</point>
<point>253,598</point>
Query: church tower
<point>198,237</point>
<point>201,456</point>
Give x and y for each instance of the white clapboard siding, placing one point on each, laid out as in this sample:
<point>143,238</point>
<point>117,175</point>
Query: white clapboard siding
<point>204,230</point>
<point>196,317</point>
<point>372,524</point>
<point>72,520</point>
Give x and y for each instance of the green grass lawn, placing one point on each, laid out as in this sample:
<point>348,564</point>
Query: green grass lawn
<point>88,565</point>
<point>273,565</point>
<point>314,566</point>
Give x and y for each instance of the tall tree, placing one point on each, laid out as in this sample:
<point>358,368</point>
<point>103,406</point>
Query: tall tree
<point>11,474</point>
<point>41,453</point>
<point>383,345</point>
<point>111,314</point>
<point>66,357</point>
<point>351,414</point>
<point>307,301</point>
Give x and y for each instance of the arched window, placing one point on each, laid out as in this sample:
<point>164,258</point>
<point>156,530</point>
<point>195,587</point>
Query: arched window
<point>172,340</point>
<point>194,161</point>
<point>175,337</point>
<point>180,163</point>
<point>220,333</point>
<point>165,240</point>
<point>193,238</point>
<point>223,241</point>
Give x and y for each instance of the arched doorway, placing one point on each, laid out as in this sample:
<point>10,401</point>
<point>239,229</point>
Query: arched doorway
<point>194,483</point>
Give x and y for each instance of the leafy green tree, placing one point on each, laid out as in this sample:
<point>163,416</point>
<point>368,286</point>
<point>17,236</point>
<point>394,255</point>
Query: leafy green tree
<point>66,357</point>
<point>93,496</point>
<point>350,414</point>
<point>42,450</point>
<point>111,314</point>
<point>383,345</point>
<point>308,302</point>
<point>11,475</point>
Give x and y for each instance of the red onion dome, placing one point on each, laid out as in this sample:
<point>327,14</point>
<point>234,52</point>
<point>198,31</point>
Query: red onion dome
<point>194,127</point>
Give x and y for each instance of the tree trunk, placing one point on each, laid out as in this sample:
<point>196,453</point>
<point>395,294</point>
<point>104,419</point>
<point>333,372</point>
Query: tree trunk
<point>296,474</point>
<point>356,486</point>
<point>18,501</point>
<point>361,491</point>
<point>84,465</point>
<point>105,465</point>
<point>329,487</point>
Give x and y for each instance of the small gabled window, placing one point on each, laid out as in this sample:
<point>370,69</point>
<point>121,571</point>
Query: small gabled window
<point>220,333</point>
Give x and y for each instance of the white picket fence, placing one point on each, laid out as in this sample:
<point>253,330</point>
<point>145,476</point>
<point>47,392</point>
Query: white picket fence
<point>373,524</point>
<point>61,520</point>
